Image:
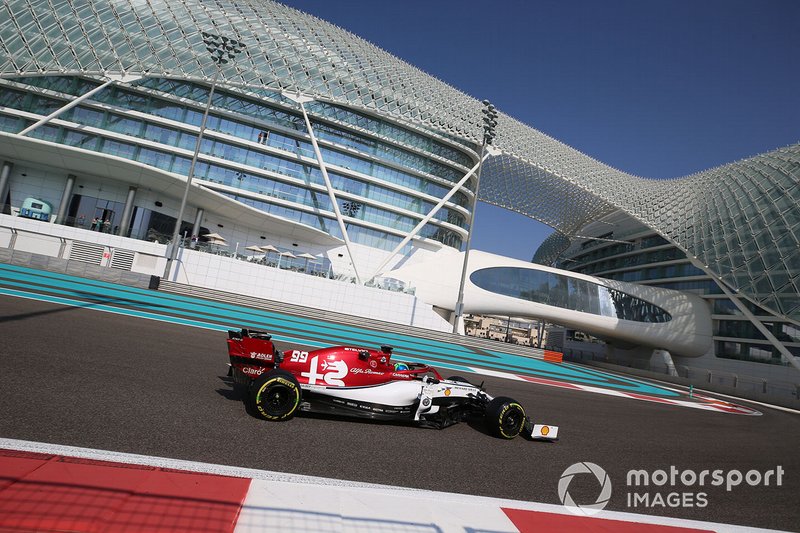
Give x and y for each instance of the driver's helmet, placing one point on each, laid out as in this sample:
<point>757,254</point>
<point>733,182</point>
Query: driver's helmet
<point>400,367</point>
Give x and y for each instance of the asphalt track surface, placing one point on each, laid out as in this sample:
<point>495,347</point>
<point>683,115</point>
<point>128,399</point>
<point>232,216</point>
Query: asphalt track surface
<point>79,377</point>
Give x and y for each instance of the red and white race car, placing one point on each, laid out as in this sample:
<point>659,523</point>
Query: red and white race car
<point>362,382</point>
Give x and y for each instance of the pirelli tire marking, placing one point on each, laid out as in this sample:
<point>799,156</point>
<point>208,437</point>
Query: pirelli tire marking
<point>505,417</point>
<point>292,390</point>
<point>503,414</point>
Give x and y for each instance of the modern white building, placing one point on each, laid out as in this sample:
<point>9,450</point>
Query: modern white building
<point>646,316</point>
<point>302,137</point>
<point>618,247</point>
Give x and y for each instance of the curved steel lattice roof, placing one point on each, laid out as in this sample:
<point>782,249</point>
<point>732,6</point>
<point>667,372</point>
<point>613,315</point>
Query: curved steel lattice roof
<point>742,221</point>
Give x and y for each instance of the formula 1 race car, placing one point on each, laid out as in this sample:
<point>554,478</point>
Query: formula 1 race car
<point>366,383</point>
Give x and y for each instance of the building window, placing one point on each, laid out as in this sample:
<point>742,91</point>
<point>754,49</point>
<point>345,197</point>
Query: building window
<point>745,351</point>
<point>569,293</point>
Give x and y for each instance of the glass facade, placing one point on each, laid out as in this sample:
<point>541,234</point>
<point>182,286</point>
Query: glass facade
<point>383,174</point>
<point>650,259</point>
<point>396,136</point>
<point>568,293</point>
<point>741,220</point>
<point>752,351</point>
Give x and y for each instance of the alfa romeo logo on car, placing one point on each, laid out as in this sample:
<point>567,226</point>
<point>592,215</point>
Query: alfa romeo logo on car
<point>586,509</point>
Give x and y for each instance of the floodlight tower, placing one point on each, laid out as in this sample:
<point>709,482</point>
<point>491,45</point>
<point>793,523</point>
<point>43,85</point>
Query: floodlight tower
<point>489,126</point>
<point>222,50</point>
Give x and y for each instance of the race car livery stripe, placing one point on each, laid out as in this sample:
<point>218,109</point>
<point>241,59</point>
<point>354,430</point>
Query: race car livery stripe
<point>361,408</point>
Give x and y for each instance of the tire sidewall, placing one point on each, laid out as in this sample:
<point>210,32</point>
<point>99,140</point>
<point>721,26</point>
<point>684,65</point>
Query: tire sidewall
<point>497,410</point>
<point>261,387</point>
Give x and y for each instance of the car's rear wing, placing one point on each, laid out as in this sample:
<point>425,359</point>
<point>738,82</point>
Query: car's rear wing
<point>252,352</point>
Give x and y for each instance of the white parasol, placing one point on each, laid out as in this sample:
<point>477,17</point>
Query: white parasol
<point>214,237</point>
<point>307,256</point>
<point>285,254</point>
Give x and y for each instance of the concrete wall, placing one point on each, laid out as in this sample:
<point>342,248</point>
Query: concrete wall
<point>782,393</point>
<point>202,269</point>
<point>74,268</point>
<point>241,277</point>
<point>55,240</point>
<point>720,365</point>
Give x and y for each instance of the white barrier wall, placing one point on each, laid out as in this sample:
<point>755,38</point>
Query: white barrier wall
<point>222,273</point>
<point>202,269</point>
<point>55,240</point>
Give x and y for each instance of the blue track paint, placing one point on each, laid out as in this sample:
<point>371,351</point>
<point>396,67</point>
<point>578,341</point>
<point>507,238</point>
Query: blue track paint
<point>308,331</point>
<point>65,289</point>
<point>577,374</point>
<point>111,309</point>
<point>188,306</point>
<point>240,318</point>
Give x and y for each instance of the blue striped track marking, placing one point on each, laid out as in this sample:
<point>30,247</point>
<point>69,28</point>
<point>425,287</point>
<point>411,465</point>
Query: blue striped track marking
<point>97,295</point>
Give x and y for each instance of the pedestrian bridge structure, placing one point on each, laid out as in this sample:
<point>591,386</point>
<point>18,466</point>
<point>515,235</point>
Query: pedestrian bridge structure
<point>649,316</point>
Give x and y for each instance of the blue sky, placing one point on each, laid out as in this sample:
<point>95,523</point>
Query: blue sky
<point>656,88</point>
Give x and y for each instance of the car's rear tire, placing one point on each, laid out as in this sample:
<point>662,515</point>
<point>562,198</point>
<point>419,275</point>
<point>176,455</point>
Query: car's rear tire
<point>504,417</point>
<point>458,378</point>
<point>274,396</point>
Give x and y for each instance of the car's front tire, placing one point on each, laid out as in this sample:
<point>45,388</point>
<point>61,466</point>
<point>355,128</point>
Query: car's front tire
<point>504,417</point>
<point>274,396</point>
